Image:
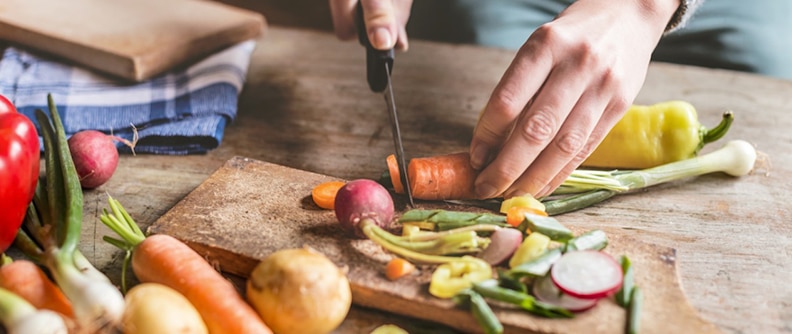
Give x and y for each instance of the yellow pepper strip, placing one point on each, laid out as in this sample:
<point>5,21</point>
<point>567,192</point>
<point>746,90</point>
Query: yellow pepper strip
<point>649,136</point>
<point>524,201</point>
<point>452,277</point>
<point>534,245</point>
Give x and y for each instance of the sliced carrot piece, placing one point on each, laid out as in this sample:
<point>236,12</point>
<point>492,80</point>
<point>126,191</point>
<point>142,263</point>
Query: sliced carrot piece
<point>516,214</point>
<point>395,176</point>
<point>398,268</point>
<point>324,194</point>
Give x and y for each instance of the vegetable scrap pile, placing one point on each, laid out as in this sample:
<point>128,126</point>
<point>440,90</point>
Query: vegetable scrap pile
<point>519,256</point>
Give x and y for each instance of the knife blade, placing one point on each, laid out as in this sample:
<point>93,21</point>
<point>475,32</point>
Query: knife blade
<point>379,64</point>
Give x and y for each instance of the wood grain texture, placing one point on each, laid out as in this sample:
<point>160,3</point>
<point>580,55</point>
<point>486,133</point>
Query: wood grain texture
<point>312,111</point>
<point>134,40</point>
<point>249,209</point>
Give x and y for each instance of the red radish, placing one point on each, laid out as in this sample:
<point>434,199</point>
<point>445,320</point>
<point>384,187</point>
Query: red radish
<point>503,243</point>
<point>587,274</point>
<point>546,291</point>
<point>363,200</point>
<point>95,156</point>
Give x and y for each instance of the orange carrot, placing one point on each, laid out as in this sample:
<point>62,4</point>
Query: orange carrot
<point>516,214</point>
<point>441,177</point>
<point>324,194</point>
<point>28,280</point>
<point>166,260</point>
<point>398,268</point>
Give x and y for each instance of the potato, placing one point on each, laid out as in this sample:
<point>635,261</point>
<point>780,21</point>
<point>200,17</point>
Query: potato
<point>299,291</point>
<point>153,308</point>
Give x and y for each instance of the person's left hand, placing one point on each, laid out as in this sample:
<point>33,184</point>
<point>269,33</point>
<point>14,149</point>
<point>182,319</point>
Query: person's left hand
<point>567,87</point>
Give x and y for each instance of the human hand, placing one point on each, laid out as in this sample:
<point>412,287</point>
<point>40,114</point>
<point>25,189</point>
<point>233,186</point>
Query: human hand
<point>385,20</point>
<point>568,85</point>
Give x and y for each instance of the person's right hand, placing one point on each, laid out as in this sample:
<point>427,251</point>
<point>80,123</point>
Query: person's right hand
<point>385,21</point>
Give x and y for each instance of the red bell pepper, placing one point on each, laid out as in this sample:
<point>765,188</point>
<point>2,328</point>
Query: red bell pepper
<point>19,169</point>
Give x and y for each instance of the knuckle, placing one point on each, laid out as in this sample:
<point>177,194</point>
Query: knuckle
<point>539,127</point>
<point>571,142</point>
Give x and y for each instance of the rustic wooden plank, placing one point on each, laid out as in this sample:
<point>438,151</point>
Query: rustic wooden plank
<point>312,111</point>
<point>134,40</point>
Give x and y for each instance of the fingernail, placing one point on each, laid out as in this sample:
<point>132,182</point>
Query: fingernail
<point>381,39</point>
<point>478,156</point>
<point>485,191</point>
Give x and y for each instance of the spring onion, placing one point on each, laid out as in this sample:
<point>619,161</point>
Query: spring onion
<point>588,187</point>
<point>52,229</point>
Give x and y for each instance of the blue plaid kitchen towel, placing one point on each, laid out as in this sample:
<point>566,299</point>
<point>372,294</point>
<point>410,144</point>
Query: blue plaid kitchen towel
<point>180,112</point>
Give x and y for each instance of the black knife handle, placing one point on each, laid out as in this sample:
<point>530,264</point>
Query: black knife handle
<point>375,59</point>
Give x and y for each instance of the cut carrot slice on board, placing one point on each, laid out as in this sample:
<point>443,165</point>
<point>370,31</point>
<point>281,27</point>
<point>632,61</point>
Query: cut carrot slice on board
<point>324,194</point>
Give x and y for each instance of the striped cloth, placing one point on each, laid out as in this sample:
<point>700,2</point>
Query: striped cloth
<point>180,112</point>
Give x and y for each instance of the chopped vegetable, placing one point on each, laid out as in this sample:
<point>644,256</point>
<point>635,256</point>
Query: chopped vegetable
<point>52,230</point>
<point>299,291</point>
<point>622,296</point>
<point>634,311</point>
<point>324,194</point>
<point>19,169</point>
<point>534,245</point>
<point>165,260</point>
<point>20,317</point>
<point>524,201</point>
<point>548,226</point>
<point>515,216</point>
<point>450,278</point>
<point>446,220</point>
<point>587,274</point>
<point>398,268</point>
<point>490,289</point>
<point>540,266</point>
<point>154,308</point>
<point>26,279</point>
<point>503,243</point>
<point>545,290</point>
<point>481,311</point>
<point>439,177</point>
<point>649,136</point>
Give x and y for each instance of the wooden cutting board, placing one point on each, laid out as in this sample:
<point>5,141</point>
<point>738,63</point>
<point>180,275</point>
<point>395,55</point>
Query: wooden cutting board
<point>132,39</point>
<point>248,209</point>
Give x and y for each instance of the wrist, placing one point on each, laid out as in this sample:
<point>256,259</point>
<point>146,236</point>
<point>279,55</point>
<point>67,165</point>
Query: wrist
<point>667,14</point>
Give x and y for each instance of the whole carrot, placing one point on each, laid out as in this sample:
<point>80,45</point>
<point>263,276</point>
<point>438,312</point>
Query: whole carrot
<point>28,280</point>
<point>441,177</point>
<point>165,260</point>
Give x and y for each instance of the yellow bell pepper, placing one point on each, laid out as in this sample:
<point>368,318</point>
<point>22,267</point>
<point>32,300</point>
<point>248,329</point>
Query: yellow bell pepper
<point>649,136</point>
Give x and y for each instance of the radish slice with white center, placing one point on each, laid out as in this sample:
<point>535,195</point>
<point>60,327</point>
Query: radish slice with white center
<point>587,274</point>
<point>546,291</point>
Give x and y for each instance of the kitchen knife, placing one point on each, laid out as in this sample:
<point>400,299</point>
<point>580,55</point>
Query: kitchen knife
<point>379,64</point>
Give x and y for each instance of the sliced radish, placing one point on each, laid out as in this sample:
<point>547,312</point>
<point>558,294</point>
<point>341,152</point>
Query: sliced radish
<point>503,243</point>
<point>587,274</point>
<point>546,291</point>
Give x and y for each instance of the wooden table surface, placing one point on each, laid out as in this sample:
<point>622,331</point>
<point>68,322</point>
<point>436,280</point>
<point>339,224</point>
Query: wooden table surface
<point>306,105</point>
